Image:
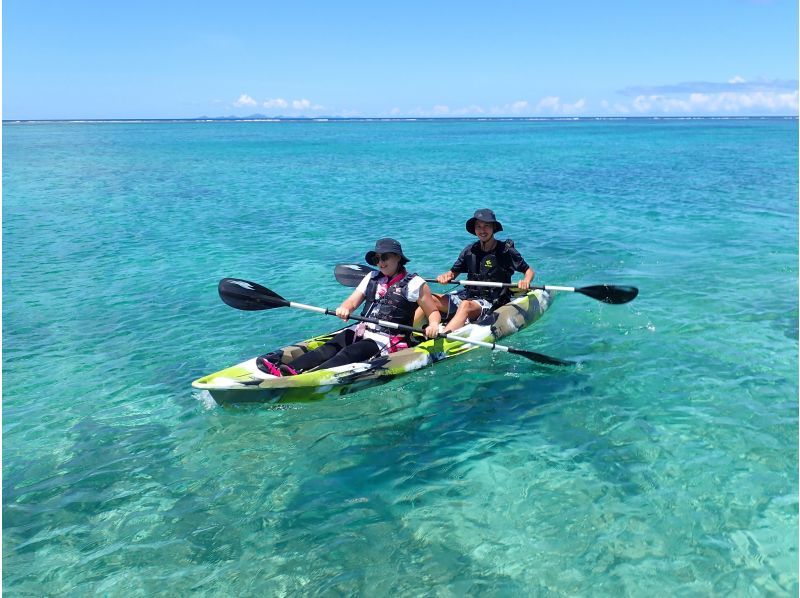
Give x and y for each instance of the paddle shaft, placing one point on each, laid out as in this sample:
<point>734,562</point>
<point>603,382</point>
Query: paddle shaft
<point>351,275</point>
<point>486,283</point>
<point>393,325</point>
<point>251,296</point>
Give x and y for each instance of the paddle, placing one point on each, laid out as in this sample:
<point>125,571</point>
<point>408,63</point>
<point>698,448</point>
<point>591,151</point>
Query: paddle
<point>251,296</point>
<point>352,274</point>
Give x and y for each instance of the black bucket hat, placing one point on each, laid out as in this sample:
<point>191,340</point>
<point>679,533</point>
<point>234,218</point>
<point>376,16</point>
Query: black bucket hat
<point>486,215</point>
<point>386,246</point>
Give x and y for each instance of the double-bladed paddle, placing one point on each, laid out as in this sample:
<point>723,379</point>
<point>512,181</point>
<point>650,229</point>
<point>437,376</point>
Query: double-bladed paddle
<point>352,274</point>
<point>251,296</point>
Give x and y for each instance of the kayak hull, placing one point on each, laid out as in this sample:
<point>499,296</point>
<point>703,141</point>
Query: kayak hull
<point>245,383</point>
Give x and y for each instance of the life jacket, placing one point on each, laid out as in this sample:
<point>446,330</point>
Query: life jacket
<point>495,266</point>
<point>393,306</point>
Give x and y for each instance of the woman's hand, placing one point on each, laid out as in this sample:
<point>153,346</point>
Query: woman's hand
<point>343,312</point>
<point>432,330</point>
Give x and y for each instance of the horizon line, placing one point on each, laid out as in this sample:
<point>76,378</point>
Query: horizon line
<point>260,118</point>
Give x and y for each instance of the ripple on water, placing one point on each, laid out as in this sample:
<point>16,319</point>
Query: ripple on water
<point>664,463</point>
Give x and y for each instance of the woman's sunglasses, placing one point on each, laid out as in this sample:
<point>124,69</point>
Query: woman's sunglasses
<point>382,257</point>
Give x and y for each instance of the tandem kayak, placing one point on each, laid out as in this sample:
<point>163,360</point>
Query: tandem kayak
<point>246,383</point>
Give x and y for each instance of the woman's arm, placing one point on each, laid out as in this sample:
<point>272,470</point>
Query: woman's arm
<point>349,305</point>
<point>427,304</point>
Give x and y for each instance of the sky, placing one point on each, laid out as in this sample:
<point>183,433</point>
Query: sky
<point>437,58</point>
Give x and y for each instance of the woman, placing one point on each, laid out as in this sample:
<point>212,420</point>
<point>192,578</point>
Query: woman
<point>392,294</point>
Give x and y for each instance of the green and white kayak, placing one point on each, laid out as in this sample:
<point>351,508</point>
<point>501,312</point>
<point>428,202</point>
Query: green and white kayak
<point>246,383</point>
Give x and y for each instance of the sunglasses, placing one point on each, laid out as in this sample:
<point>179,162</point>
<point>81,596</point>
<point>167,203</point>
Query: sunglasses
<point>382,257</point>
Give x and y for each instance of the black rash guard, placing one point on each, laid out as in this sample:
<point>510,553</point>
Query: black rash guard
<point>497,265</point>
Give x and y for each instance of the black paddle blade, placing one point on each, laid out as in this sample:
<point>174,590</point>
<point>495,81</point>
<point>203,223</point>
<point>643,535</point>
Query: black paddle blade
<point>350,275</point>
<point>248,296</point>
<point>540,357</point>
<point>609,293</point>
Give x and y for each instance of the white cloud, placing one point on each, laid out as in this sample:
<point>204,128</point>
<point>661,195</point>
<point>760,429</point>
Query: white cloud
<point>514,108</point>
<point>440,110</point>
<point>300,105</point>
<point>576,106</point>
<point>615,109</point>
<point>244,100</point>
<point>554,105</point>
<point>468,110</point>
<point>304,104</point>
<point>548,103</point>
<point>725,103</point>
<point>736,84</point>
<point>275,103</point>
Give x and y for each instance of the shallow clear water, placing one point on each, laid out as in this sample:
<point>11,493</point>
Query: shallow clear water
<point>666,463</point>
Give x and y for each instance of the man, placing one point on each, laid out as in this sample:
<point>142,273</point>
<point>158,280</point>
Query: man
<point>488,259</point>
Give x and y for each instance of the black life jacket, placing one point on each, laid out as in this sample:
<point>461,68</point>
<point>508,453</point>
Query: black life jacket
<point>495,266</point>
<point>393,306</point>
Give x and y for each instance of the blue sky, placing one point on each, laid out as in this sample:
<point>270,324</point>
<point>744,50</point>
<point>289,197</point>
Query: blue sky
<point>175,59</point>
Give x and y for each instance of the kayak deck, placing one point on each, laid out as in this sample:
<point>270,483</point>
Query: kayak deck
<point>246,383</point>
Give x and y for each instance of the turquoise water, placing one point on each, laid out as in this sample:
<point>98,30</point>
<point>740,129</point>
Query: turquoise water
<point>665,464</point>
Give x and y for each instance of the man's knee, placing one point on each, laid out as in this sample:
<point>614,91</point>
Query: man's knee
<point>441,303</point>
<point>469,309</point>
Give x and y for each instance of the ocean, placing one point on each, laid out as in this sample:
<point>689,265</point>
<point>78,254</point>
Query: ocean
<point>665,463</point>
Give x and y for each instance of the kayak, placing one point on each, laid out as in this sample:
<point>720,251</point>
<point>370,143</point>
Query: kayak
<point>246,383</point>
